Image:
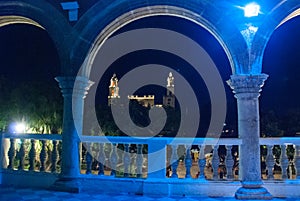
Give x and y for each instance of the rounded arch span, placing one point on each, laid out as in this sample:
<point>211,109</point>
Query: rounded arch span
<point>98,26</point>
<point>278,16</point>
<point>43,15</point>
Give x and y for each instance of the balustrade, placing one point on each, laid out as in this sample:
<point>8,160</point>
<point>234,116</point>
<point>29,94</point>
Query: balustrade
<point>282,158</point>
<point>32,152</point>
<point>211,159</point>
<point>127,157</point>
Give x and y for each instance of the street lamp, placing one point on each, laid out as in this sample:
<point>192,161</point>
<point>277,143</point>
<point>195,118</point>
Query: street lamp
<point>18,127</point>
<point>251,10</point>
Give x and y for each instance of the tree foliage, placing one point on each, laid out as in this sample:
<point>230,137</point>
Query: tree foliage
<point>275,124</point>
<point>139,115</point>
<point>36,103</point>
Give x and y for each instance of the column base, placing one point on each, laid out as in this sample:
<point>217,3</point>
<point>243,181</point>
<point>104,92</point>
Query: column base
<point>66,185</point>
<point>253,194</point>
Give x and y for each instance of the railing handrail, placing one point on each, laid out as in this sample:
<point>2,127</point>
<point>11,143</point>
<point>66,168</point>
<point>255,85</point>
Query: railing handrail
<point>147,140</point>
<point>165,140</point>
<point>130,139</point>
<point>279,141</point>
<point>32,136</point>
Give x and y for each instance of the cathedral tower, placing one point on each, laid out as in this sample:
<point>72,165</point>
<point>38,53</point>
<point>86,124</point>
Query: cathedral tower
<point>169,99</point>
<point>113,89</point>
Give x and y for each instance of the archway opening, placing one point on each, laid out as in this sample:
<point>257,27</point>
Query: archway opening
<point>135,59</point>
<point>280,108</point>
<point>29,63</point>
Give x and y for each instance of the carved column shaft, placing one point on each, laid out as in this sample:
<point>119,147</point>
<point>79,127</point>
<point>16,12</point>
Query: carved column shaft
<point>246,89</point>
<point>74,90</point>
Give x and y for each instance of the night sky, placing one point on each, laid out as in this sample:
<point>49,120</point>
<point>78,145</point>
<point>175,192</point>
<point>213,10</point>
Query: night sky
<point>27,53</point>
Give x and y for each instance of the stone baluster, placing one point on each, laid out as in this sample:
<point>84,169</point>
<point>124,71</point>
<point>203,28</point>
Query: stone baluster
<point>22,155</point>
<point>168,160</point>
<point>101,159</point>
<point>89,161</point>
<point>297,160</point>
<point>202,162</point>
<point>284,162</point>
<point>5,144</point>
<point>188,161</point>
<point>12,153</point>
<point>54,156</point>
<point>88,158</point>
<point>270,161</point>
<point>157,157</point>
<point>139,160</point>
<point>32,155</point>
<point>174,161</point>
<point>43,156</point>
<point>126,160</point>
<point>292,166</point>
<point>132,161</point>
<point>229,162</point>
<point>215,163</point>
<point>2,153</point>
<point>114,159</point>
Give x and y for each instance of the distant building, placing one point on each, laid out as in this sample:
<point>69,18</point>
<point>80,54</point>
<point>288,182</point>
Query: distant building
<point>169,99</point>
<point>146,100</point>
<point>113,90</point>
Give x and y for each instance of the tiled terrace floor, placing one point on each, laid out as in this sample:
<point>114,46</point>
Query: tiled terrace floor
<point>13,194</point>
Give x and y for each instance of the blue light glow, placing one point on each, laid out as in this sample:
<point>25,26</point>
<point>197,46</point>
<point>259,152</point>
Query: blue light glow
<point>17,127</point>
<point>251,10</point>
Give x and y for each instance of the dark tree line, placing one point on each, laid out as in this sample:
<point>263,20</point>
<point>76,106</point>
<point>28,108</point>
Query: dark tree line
<point>139,116</point>
<point>274,124</point>
<point>37,103</point>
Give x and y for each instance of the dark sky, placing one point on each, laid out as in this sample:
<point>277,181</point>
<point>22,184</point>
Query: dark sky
<point>27,53</point>
<point>282,63</point>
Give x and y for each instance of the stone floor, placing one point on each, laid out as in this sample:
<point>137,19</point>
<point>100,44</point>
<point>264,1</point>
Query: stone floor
<point>13,194</point>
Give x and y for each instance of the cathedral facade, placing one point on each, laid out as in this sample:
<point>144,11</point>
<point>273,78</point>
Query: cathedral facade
<point>146,100</point>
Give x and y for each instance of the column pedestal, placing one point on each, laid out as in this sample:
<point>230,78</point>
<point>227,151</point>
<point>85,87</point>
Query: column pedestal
<point>246,89</point>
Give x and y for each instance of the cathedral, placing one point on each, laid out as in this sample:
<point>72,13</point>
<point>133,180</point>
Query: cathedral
<point>146,100</point>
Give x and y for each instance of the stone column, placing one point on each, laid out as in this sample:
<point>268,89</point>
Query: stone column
<point>246,89</point>
<point>74,90</point>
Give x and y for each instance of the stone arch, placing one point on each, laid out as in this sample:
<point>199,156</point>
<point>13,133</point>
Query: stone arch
<point>118,14</point>
<point>282,13</point>
<point>43,15</point>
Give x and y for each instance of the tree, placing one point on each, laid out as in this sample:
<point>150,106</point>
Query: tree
<point>291,121</point>
<point>37,103</point>
<point>270,124</point>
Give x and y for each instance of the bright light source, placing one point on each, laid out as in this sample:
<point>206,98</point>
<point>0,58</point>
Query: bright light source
<point>251,10</point>
<point>19,128</point>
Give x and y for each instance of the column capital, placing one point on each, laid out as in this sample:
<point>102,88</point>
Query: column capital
<point>76,86</point>
<point>241,84</point>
